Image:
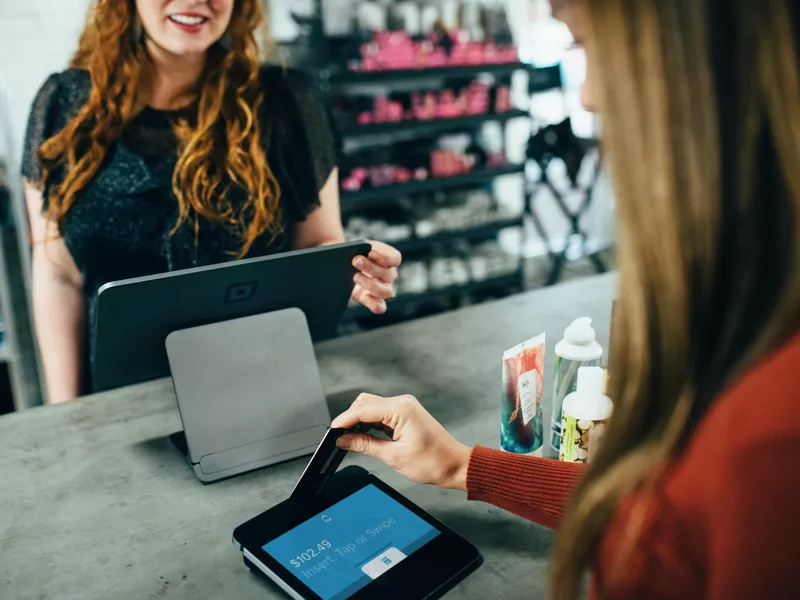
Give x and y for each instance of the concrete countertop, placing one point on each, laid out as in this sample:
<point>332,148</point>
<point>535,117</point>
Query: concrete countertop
<point>96,503</point>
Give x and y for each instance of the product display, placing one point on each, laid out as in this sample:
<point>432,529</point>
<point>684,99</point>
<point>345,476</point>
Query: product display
<point>391,50</point>
<point>579,348</point>
<point>478,98</point>
<point>521,428</point>
<point>443,163</point>
<point>427,190</point>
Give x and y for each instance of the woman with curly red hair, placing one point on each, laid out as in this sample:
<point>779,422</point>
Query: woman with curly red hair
<point>167,145</point>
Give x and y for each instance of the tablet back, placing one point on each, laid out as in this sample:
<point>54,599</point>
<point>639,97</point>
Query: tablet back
<point>134,317</point>
<point>248,391</point>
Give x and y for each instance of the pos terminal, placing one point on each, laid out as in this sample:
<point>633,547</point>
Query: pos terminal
<point>237,339</point>
<point>348,535</point>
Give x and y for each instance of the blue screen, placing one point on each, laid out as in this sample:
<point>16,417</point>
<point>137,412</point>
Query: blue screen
<point>338,552</point>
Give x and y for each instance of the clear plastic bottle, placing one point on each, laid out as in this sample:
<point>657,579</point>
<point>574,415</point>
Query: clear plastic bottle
<point>579,348</point>
<point>584,417</point>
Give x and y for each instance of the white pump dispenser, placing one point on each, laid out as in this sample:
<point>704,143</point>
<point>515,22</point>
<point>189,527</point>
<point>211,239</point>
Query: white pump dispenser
<point>580,342</point>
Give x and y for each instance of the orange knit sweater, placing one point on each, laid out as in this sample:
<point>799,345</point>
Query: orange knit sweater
<point>724,521</point>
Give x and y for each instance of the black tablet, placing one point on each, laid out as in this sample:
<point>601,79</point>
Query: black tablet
<point>135,316</point>
<point>358,538</point>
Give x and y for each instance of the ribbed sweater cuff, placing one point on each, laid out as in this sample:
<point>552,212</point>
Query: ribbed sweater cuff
<point>534,488</point>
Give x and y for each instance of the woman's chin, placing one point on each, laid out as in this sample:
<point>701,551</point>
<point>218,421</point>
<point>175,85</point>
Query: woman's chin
<point>184,49</point>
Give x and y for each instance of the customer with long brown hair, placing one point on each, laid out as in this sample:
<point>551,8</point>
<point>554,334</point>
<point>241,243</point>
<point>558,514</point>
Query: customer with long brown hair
<point>168,145</point>
<point>694,492</point>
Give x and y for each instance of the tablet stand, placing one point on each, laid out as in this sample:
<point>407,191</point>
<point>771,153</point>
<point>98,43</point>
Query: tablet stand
<point>249,393</point>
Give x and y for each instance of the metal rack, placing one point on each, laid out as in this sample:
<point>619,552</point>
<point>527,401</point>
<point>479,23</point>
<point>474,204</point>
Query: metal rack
<point>544,157</point>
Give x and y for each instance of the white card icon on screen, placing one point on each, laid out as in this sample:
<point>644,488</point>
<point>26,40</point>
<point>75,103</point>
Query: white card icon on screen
<point>382,563</point>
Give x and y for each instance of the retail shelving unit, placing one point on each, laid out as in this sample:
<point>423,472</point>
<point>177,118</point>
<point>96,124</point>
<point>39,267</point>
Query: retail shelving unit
<point>410,193</point>
<point>338,81</point>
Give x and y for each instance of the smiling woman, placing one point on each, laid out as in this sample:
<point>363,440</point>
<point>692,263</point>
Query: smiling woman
<point>168,145</point>
<point>184,28</point>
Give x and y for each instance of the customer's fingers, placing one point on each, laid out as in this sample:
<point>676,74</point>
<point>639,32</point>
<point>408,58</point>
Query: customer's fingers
<point>375,287</point>
<point>385,255</point>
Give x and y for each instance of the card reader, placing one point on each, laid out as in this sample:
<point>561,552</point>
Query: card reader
<point>347,535</point>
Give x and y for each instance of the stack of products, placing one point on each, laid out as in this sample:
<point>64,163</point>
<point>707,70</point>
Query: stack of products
<point>390,50</point>
<point>486,261</point>
<point>476,208</point>
<point>444,162</point>
<point>475,99</point>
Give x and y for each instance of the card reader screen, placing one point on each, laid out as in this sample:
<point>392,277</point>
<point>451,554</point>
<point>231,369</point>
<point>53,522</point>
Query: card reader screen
<point>338,552</point>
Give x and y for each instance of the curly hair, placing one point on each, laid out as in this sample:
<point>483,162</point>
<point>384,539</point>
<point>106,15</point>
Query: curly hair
<point>222,150</point>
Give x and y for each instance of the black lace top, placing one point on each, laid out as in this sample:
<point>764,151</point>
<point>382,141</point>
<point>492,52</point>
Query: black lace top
<point>120,225</point>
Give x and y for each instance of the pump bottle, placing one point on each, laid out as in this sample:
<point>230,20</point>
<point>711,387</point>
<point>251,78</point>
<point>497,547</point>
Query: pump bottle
<point>584,417</point>
<point>579,348</point>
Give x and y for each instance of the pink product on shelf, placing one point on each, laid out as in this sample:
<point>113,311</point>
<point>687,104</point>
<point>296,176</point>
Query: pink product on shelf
<point>395,50</point>
<point>437,58</point>
<point>421,174</point>
<point>365,118</point>
<point>370,64</point>
<point>449,107</point>
<point>394,112</point>
<point>402,175</point>
<point>491,54</point>
<point>381,109</point>
<point>424,106</point>
<point>508,54</point>
<point>449,163</point>
<point>477,98</point>
<point>382,175</point>
<point>355,181</point>
<point>351,184</point>
<point>503,99</point>
<point>495,159</point>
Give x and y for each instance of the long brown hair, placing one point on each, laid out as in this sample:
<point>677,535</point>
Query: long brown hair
<point>700,102</point>
<point>222,149</point>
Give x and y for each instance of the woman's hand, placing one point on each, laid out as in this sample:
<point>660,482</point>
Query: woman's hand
<point>420,448</point>
<point>376,276</point>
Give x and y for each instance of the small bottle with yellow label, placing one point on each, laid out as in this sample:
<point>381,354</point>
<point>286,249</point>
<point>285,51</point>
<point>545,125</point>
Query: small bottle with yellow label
<point>584,417</point>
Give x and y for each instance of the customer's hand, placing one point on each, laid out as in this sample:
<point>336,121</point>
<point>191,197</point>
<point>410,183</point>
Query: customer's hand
<point>420,448</point>
<point>376,276</point>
